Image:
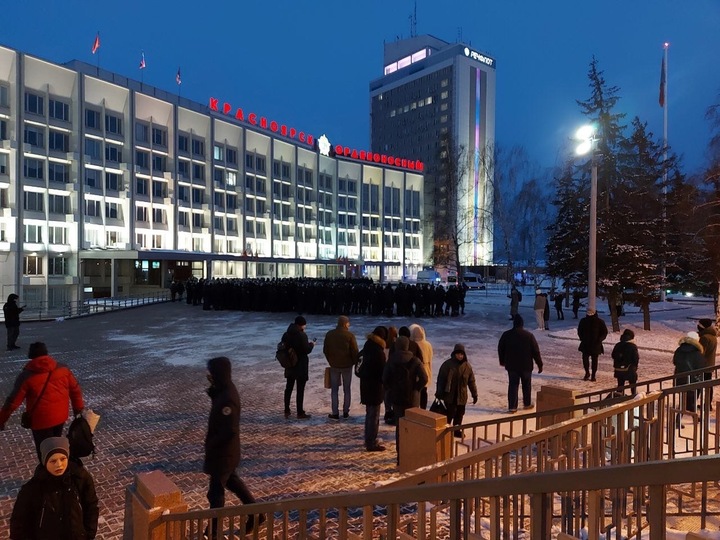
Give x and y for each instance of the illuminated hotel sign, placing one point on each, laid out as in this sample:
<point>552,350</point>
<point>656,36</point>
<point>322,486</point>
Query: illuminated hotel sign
<point>479,57</point>
<point>260,121</point>
<point>324,145</point>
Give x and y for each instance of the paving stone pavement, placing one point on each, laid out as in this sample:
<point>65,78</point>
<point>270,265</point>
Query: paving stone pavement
<point>143,370</point>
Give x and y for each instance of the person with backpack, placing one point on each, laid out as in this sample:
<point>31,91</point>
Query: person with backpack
<point>59,501</point>
<point>455,377</point>
<point>47,387</point>
<point>625,361</point>
<point>370,371</point>
<point>295,338</point>
<point>404,376</point>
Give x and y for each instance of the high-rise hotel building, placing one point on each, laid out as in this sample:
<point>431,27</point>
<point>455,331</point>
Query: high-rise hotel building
<point>434,99</point>
<point>110,187</point>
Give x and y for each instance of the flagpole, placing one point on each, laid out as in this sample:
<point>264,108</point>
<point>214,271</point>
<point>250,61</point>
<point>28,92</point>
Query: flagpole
<point>666,45</point>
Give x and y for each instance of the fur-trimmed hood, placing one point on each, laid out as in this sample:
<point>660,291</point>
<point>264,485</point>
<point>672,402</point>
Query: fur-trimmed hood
<point>376,339</point>
<point>691,341</point>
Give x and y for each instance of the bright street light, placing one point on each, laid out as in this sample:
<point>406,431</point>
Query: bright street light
<point>586,136</point>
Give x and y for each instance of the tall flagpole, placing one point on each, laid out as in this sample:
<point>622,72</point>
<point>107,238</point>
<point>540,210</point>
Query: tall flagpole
<point>664,82</point>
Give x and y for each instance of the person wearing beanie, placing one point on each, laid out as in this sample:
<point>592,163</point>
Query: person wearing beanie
<point>298,375</point>
<point>222,441</point>
<point>625,361</point>
<point>341,352</point>
<point>541,302</point>
<point>686,358</point>
<point>372,393</point>
<point>59,501</point>
<point>592,331</point>
<point>48,388</point>
<point>708,340</point>
<point>404,377</point>
<point>517,349</point>
<point>454,378</point>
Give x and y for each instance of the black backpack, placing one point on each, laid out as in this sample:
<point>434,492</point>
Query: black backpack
<point>81,438</point>
<point>286,355</point>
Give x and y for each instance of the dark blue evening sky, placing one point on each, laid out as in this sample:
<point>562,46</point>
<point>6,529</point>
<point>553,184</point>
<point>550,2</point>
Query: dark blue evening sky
<point>308,63</point>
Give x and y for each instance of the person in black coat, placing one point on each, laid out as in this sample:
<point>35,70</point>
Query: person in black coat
<point>372,393</point>
<point>625,360</point>
<point>222,442</point>
<point>688,357</point>
<point>591,331</point>
<point>59,501</point>
<point>12,312</point>
<point>517,349</point>
<point>299,374</point>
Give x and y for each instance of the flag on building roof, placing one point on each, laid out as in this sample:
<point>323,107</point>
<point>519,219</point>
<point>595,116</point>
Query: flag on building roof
<point>96,43</point>
<point>661,99</point>
<point>142,61</point>
<point>178,79</point>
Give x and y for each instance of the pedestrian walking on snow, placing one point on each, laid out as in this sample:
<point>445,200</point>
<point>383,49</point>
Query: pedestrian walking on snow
<point>517,349</point>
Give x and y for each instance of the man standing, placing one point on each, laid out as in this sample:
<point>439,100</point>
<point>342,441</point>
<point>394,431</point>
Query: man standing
<point>539,308</point>
<point>517,349</point>
<point>341,351</point>
<point>222,442</point>
<point>708,339</point>
<point>12,312</point>
<point>48,388</point>
<point>591,331</point>
<point>515,297</point>
<point>296,339</point>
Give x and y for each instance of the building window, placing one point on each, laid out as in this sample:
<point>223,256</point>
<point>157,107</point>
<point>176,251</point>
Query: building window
<point>197,220</point>
<point>157,242</point>
<point>33,168</point>
<point>231,202</point>
<point>4,96</point>
<point>3,164</point>
<point>197,196</point>
<point>260,164</point>
<point>159,189</point>
<point>92,119</point>
<point>231,178</point>
<point>33,234</point>
<point>59,110</point>
<point>34,104</point>
<point>183,219</point>
<point>60,142</point>
<point>34,136</point>
<point>141,241</point>
<point>158,163</point>
<point>218,153</point>
<point>113,182</point>
<point>198,172</point>
<point>92,208</point>
<point>219,176</point>
<point>159,215</point>
<point>218,224</point>
<point>57,266</point>
<point>58,204</point>
<point>141,133</point>
<point>183,193</point>
<point>3,130</point>
<point>32,265</point>
<point>58,172</point>
<point>93,148</point>
<point>159,137</point>
<point>57,235</point>
<point>113,153</point>
<point>92,178</point>
<point>113,124</point>
<point>141,213</point>
<point>198,147</point>
<point>112,238</point>
<point>231,224</point>
<point>141,186</point>
<point>112,210</point>
<point>184,168</point>
<point>183,143</point>
<point>231,156</point>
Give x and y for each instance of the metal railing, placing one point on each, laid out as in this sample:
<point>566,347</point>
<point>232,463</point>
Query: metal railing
<point>555,479</point>
<point>38,311</point>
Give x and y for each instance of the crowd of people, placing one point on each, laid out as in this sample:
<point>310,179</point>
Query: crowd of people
<point>355,296</point>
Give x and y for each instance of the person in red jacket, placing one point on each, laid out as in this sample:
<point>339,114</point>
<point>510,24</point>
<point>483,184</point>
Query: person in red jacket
<point>47,388</point>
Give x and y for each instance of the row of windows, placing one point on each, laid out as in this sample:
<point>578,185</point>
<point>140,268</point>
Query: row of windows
<point>33,266</point>
<point>57,140</point>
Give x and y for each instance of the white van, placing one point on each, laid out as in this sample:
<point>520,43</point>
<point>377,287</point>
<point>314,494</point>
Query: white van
<point>428,276</point>
<point>474,281</point>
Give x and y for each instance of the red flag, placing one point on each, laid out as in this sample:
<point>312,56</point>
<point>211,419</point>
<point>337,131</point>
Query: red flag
<point>178,79</point>
<point>142,61</point>
<point>661,99</point>
<point>96,43</point>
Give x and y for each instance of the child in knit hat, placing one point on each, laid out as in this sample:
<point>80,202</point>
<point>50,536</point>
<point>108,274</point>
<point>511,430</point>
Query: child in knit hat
<point>59,501</point>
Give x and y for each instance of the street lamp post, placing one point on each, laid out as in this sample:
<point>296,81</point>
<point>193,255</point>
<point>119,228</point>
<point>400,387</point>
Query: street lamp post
<point>586,135</point>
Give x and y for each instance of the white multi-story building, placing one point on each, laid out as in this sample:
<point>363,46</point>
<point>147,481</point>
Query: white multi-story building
<point>436,102</point>
<point>109,187</point>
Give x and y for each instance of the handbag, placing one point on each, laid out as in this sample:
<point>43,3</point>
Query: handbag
<point>26,417</point>
<point>327,378</point>
<point>438,407</point>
